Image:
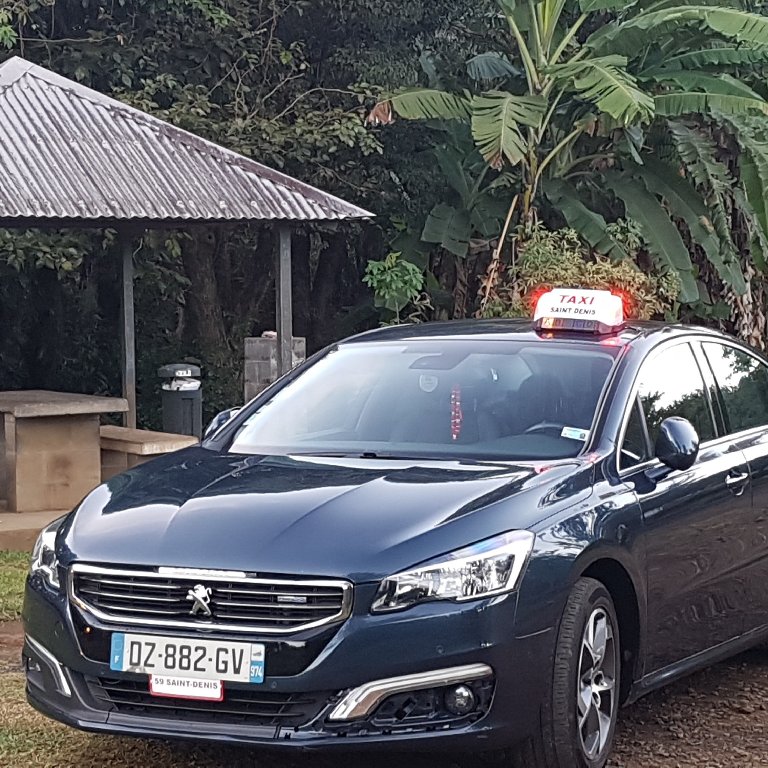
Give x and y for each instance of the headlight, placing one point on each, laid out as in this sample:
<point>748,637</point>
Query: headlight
<point>487,568</point>
<point>44,560</point>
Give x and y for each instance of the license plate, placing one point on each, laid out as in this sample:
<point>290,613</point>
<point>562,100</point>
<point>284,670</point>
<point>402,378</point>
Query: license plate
<point>186,688</point>
<point>182,657</point>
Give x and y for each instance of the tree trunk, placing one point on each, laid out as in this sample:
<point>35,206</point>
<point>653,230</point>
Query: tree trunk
<point>206,316</point>
<point>460,289</point>
<point>325,290</point>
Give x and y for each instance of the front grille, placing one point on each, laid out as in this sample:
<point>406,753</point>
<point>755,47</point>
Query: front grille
<point>236,602</point>
<point>243,706</point>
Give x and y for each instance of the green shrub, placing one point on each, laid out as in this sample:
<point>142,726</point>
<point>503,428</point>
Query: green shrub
<point>559,258</point>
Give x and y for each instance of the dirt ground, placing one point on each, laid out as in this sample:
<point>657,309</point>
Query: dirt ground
<point>11,635</point>
<point>715,719</point>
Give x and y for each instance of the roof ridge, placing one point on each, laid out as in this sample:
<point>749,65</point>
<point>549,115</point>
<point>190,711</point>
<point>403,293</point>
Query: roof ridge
<point>14,69</point>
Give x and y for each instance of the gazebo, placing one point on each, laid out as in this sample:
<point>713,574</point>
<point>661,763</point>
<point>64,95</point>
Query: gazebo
<point>72,157</point>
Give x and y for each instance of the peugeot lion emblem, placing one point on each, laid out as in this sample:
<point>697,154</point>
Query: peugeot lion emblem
<point>201,598</point>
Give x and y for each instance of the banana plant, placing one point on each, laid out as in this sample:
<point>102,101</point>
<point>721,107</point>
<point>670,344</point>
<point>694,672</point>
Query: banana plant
<point>561,105</point>
<point>472,213</point>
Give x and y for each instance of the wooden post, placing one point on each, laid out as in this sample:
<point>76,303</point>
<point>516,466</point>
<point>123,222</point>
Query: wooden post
<point>284,307</point>
<point>128,331</point>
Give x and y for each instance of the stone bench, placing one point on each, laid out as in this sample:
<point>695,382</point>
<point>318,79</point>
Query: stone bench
<point>123,448</point>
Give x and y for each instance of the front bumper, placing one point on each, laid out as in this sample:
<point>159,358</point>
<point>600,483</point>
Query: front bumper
<point>320,705</point>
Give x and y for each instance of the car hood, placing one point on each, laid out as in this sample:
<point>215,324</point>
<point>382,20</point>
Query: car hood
<point>346,517</point>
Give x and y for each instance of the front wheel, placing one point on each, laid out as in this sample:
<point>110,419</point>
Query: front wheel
<point>579,717</point>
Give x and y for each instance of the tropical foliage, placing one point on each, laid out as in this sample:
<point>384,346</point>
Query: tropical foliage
<point>284,81</point>
<point>549,259</point>
<point>629,135</point>
<point>396,282</point>
<point>600,109</point>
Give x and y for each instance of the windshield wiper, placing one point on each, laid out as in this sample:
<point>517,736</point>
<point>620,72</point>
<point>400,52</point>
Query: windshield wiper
<point>364,455</point>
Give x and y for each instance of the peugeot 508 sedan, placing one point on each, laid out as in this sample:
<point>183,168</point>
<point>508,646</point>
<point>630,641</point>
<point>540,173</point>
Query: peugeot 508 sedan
<point>469,535</point>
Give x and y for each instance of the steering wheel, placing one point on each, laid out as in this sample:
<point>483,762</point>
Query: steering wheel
<point>546,426</point>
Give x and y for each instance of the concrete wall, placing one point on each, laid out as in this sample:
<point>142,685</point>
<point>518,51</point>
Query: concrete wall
<point>261,363</point>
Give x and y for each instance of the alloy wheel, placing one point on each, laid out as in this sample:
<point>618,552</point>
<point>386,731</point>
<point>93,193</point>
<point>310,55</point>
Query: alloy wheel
<point>596,694</point>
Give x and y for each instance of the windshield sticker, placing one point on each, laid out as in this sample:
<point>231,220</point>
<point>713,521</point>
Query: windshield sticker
<point>427,383</point>
<point>574,433</point>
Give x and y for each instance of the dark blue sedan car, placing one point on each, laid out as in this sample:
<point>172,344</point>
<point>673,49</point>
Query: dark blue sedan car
<point>481,535</point>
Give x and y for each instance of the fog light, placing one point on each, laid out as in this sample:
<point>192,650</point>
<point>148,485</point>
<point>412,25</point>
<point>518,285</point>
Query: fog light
<point>31,665</point>
<point>460,700</point>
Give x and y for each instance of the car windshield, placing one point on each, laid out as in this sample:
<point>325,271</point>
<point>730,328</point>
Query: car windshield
<point>436,399</point>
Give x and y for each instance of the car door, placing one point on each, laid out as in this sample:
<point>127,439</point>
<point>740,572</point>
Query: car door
<point>691,554</point>
<point>742,390</point>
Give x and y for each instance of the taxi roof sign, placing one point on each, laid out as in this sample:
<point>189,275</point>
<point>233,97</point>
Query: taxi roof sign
<point>577,309</point>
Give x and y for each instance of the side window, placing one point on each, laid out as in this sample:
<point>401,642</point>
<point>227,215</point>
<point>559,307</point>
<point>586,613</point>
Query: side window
<point>671,385</point>
<point>743,383</point>
<point>634,449</point>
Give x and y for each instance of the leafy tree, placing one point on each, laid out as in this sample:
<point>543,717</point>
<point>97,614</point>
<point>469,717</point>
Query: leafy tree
<point>283,81</point>
<point>396,281</point>
<point>579,96</point>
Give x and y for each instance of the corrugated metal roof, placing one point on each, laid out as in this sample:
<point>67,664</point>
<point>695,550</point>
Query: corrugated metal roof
<point>69,152</point>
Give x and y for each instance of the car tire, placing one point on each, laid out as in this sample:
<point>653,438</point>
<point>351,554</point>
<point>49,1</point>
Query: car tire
<point>578,719</point>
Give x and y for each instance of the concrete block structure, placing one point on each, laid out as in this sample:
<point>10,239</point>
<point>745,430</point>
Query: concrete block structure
<point>123,448</point>
<point>261,367</point>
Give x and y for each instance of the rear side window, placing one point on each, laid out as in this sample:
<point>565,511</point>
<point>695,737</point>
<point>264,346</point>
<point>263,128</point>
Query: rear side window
<point>671,385</point>
<point>743,383</point>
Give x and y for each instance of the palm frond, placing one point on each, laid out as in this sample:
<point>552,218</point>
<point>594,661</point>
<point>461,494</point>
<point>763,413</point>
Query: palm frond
<point>496,120</point>
<point>706,82</point>
<point>659,232</point>
<point>712,58</point>
<point>686,203</point>
<point>758,239</point>
<point>605,82</point>
<point>752,137</point>
<point>633,36</point>
<point>491,66</point>
<point>451,161</point>
<point>448,227</point>
<point>657,5</point>
<point>698,155</point>
<point>589,224</point>
<point>420,104</point>
<point>678,103</point>
<point>588,6</point>
<point>507,6</point>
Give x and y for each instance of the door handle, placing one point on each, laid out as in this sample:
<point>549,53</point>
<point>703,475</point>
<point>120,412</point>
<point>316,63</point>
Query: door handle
<point>735,479</point>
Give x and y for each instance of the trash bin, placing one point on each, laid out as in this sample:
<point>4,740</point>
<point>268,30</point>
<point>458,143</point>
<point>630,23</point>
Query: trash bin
<point>182,399</point>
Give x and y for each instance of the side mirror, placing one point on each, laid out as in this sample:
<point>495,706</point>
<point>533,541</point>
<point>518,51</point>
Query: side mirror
<point>677,444</point>
<point>219,420</point>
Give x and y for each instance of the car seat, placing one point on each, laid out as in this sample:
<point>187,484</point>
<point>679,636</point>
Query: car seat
<point>538,399</point>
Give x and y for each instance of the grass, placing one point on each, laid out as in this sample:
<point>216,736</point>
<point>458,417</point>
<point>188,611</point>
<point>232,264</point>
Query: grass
<point>29,740</point>
<point>13,572</point>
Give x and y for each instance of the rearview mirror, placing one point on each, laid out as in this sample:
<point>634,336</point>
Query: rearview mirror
<point>677,444</point>
<point>219,420</point>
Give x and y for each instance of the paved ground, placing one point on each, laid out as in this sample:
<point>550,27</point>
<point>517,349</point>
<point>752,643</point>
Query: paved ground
<point>716,719</point>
